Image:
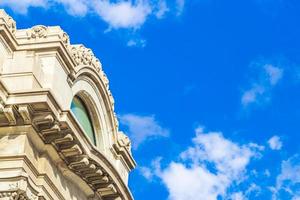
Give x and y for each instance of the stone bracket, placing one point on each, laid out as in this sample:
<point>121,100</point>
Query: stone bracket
<point>9,114</point>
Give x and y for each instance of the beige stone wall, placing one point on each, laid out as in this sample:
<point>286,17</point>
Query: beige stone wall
<point>44,152</point>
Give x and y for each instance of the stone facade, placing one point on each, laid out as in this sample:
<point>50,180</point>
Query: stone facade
<point>44,151</point>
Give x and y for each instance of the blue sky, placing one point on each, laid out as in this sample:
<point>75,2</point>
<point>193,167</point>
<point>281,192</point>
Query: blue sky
<point>207,90</point>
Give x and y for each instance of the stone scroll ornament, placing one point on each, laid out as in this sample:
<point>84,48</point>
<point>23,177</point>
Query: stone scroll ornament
<point>37,32</point>
<point>85,56</point>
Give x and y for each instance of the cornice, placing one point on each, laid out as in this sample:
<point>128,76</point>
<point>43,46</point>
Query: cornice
<point>66,136</point>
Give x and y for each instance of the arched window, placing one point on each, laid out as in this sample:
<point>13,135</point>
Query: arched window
<point>82,115</point>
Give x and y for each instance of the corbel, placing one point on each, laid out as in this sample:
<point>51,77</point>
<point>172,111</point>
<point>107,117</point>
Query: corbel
<point>67,138</point>
<point>98,180</point>
<point>43,119</point>
<point>75,150</point>
<point>110,190</point>
<point>84,162</point>
<point>90,169</point>
<point>51,133</point>
<point>25,113</point>
<point>95,175</point>
<point>9,114</point>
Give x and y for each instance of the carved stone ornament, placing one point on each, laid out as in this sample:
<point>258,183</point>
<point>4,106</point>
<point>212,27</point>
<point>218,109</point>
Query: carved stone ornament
<point>124,140</point>
<point>37,32</point>
<point>15,195</point>
<point>65,39</point>
<point>105,80</point>
<point>85,56</point>
<point>11,24</point>
<point>116,120</point>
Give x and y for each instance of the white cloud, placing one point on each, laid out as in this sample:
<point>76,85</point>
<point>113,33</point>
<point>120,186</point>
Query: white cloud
<point>21,6</point>
<point>180,6</point>
<point>237,196</point>
<point>137,43</point>
<point>142,128</point>
<point>251,95</point>
<point>146,172</point>
<point>162,9</point>
<point>75,7</point>
<point>123,14</point>
<point>207,168</point>
<point>288,180</point>
<point>261,88</point>
<point>253,188</point>
<point>117,14</point>
<point>150,172</point>
<point>274,74</point>
<point>275,143</point>
<point>193,183</point>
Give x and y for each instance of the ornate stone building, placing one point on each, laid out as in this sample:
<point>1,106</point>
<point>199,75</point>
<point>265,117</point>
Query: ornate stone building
<point>59,136</point>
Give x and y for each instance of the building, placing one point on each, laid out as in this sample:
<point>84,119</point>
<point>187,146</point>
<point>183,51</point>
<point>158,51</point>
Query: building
<point>59,136</point>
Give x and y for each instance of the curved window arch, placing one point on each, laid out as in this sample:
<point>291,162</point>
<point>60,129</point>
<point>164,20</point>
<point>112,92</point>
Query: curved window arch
<point>81,113</point>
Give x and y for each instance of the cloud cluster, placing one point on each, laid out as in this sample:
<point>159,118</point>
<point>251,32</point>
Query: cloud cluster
<point>207,169</point>
<point>142,128</point>
<point>117,14</point>
<point>275,143</point>
<point>259,92</point>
